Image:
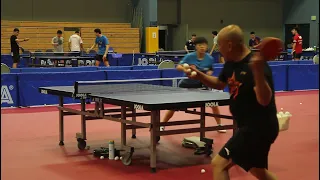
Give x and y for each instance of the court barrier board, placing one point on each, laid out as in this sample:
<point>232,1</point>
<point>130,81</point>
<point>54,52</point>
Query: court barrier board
<point>30,82</point>
<point>21,89</point>
<point>304,76</point>
<point>144,67</point>
<point>9,90</point>
<point>115,68</point>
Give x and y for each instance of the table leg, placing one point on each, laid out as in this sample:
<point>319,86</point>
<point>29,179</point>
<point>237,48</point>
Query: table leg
<point>202,122</point>
<point>155,121</point>
<point>61,122</point>
<point>123,126</point>
<point>83,120</point>
<point>134,119</point>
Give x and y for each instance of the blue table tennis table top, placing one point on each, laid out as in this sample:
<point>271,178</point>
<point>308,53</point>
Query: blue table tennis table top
<point>167,98</point>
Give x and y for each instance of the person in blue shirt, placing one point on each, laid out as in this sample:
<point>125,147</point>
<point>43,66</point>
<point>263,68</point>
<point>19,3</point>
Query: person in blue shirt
<point>103,47</point>
<point>203,62</point>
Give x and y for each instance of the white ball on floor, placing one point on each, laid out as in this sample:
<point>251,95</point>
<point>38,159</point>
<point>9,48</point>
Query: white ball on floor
<point>203,171</point>
<point>300,103</point>
<point>116,158</point>
<point>281,109</point>
<point>193,73</point>
<point>185,65</point>
<point>101,157</point>
<point>120,158</point>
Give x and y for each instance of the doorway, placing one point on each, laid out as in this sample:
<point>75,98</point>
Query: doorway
<point>304,31</point>
<point>163,32</point>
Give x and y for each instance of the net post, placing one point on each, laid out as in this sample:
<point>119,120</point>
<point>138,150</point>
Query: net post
<point>76,85</point>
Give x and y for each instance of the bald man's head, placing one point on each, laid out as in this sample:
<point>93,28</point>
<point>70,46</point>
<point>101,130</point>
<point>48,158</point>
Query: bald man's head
<point>231,41</point>
<point>232,33</point>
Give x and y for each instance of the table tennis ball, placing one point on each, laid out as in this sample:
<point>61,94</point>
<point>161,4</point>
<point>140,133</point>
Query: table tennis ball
<point>188,70</point>
<point>101,157</point>
<point>116,158</point>
<point>203,171</point>
<point>120,158</point>
<point>185,65</point>
<point>193,73</point>
<point>281,113</point>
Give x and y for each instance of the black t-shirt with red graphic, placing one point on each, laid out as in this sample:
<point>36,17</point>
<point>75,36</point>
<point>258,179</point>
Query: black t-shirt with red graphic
<point>246,110</point>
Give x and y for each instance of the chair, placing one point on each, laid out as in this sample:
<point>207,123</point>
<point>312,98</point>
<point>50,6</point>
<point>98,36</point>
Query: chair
<point>92,51</point>
<point>4,68</point>
<point>166,64</point>
<point>38,50</point>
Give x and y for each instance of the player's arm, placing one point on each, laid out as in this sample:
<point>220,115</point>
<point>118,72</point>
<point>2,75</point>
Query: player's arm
<point>262,76</point>
<point>81,44</point>
<point>69,44</point>
<point>22,40</point>
<point>186,47</point>
<point>93,46</point>
<point>107,47</point>
<point>213,48</point>
<point>294,43</point>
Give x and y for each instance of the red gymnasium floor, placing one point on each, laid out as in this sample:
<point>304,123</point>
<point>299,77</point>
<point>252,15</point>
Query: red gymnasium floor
<point>30,147</point>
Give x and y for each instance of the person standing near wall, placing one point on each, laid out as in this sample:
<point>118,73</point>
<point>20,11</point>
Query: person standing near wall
<point>215,47</point>
<point>75,42</point>
<point>14,41</point>
<point>190,46</point>
<point>254,40</point>
<point>296,44</point>
<point>103,48</point>
<point>57,42</point>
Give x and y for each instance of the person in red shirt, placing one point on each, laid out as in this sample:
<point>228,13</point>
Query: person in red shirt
<point>297,44</point>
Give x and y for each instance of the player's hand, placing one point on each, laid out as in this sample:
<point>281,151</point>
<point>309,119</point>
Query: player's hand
<point>26,39</point>
<point>104,57</point>
<point>270,48</point>
<point>194,73</point>
<point>257,63</point>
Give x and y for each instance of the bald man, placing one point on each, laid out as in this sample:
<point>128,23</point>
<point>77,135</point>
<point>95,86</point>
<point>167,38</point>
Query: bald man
<point>252,104</point>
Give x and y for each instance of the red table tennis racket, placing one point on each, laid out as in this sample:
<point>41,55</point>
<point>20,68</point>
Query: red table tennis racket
<point>270,48</point>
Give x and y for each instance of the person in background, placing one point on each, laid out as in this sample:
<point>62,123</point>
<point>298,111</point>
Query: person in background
<point>103,48</point>
<point>297,44</point>
<point>190,46</point>
<point>15,49</point>
<point>57,42</point>
<point>75,42</point>
<point>215,47</point>
<point>201,60</point>
<point>254,40</point>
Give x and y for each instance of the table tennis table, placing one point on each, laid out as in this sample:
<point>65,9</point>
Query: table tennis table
<point>137,99</point>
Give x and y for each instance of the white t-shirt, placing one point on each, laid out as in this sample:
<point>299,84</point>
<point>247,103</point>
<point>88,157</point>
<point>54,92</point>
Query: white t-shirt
<point>75,41</point>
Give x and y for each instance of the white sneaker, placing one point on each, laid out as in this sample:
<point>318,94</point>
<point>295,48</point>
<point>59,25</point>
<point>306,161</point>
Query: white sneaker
<point>222,130</point>
<point>162,128</point>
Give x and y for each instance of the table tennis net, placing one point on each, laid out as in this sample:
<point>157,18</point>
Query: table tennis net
<point>123,86</point>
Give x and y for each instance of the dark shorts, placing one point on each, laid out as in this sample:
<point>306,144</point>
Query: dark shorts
<point>15,58</point>
<point>297,55</point>
<point>190,83</point>
<point>100,58</point>
<point>247,150</point>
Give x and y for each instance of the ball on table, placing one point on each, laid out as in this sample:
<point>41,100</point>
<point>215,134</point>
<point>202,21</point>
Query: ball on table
<point>270,47</point>
<point>185,65</point>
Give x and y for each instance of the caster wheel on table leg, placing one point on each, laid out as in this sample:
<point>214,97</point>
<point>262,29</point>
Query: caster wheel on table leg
<point>133,136</point>
<point>82,144</point>
<point>61,143</point>
<point>153,170</point>
<point>158,139</point>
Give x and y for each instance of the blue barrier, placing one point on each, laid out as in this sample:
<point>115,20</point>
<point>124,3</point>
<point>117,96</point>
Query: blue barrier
<point>282,62</point>
<point>9,90</point>
<point>115,68</point>
<point>30,82</point>
<point>134,74</point>
<point>144,67</point>
<point>170,73</point>
<point>306,62</point>
<point>280,77</point>
<point>302,77</point>
<point>64,69</point>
